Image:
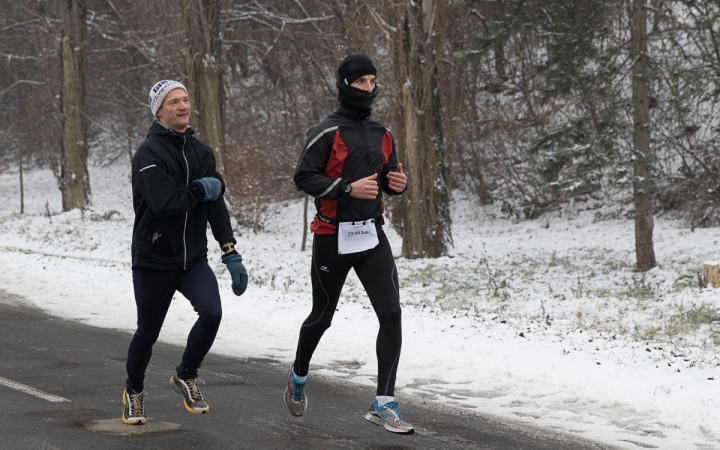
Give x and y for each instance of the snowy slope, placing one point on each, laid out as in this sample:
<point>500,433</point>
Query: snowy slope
<point>544,322</point>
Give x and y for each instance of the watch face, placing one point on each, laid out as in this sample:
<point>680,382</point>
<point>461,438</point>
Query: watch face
<point>347,188</point>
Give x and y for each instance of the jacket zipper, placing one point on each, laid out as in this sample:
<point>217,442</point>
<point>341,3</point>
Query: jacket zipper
<point>187,183</point>
<point>366,207</point>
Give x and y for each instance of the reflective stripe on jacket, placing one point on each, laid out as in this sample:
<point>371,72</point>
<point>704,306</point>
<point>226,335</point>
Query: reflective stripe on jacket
<point>340,150</point>
<point>170,229</point>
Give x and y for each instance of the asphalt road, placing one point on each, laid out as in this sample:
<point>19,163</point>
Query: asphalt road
<point>61,385</point>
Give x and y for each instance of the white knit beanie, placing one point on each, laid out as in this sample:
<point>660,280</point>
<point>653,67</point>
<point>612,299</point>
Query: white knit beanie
<point>160,90</point>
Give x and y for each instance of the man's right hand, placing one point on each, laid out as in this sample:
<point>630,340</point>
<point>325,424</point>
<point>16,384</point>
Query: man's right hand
<point>365,188</point>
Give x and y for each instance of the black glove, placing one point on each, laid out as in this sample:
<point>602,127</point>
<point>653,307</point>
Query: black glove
<point>239,275</point>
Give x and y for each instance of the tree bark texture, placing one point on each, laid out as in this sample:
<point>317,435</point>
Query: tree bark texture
<point>711,275</point>
<point>642,155</point>
<point>204,68</point>
<point>424,219</point>
<point>305,223</point>
<point>22,186</point>
<point>74,178</point>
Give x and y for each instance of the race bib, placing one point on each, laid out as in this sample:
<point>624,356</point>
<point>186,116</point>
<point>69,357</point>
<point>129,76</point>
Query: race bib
<point>354,237</point>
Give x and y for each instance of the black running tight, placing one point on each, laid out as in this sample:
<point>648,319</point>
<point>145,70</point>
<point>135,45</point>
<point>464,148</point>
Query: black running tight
<point>154,291</point>
<point>377,272</point>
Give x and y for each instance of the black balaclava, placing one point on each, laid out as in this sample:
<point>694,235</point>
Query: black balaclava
<point>349,70</point>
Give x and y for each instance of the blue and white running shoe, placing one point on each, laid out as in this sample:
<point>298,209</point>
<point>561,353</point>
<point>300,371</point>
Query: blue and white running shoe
<point>388,416</point>
<point>295,398</point>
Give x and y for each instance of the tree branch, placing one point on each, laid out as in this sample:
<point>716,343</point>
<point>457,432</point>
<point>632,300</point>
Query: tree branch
<point>19,82</point>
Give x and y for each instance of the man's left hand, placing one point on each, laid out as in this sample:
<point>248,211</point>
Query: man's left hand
<point>239,275</point>
<point>397,180</point>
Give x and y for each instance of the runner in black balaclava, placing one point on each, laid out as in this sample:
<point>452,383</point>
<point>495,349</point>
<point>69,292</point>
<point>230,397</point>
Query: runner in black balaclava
<point>349,70</point>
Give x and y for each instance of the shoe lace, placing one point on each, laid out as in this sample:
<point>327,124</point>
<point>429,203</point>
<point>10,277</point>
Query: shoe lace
<point>393,408</point>
<point>194,389</point>
<point>136,403</point>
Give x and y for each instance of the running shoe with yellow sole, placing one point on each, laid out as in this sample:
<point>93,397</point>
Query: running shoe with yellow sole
<point>194,401</point>
<point>134,408</point>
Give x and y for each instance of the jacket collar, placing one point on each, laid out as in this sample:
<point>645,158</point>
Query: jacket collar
<point>351,113</point>
<point>161,129</point>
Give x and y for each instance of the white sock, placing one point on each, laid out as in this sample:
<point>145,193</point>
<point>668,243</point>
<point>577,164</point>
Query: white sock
<point>382,399</point>
<point>300,379</point>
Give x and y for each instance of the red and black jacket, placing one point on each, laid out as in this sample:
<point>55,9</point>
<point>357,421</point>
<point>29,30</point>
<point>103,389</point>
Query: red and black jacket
<point>340,150</point>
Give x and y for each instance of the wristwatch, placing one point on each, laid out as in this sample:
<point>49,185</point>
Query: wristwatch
<point>348,188</point>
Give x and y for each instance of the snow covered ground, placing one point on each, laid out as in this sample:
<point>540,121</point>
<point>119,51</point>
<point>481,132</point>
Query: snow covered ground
<point>543,321</point>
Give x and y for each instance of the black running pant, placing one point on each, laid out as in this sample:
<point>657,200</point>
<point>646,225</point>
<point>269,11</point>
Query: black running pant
<point>377,272</point>
<point>154,290</point>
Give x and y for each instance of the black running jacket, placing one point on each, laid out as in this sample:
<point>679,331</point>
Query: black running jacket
<point>340,150</point>
<point>170,230</point>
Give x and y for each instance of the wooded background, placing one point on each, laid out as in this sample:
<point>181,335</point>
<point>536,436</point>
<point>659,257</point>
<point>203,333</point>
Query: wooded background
<point>530,105</point>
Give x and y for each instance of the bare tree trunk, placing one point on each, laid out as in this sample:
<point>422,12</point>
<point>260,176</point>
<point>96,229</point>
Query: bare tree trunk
<point>305,223</point>
<point>74,178</point>
<point>203,63</point>
<point>495,11</point>
<point>424,211</point>
<point>22,187</point>
<point>642,161</point>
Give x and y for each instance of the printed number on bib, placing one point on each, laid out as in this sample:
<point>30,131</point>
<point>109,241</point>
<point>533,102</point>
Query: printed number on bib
<point>354,237</point>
